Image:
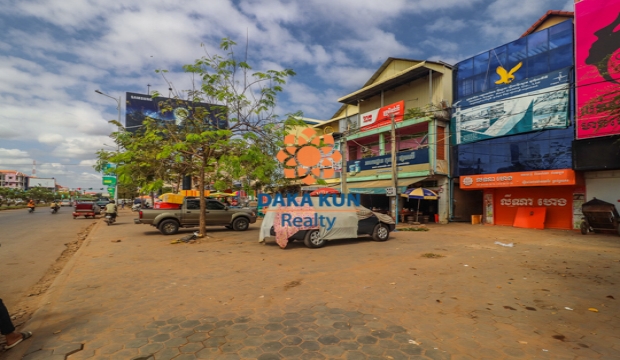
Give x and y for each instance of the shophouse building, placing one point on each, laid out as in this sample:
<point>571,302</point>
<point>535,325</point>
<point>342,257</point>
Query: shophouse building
<point>513,127</point>
<point>415,95</point>
<point>13,179</point>
<point>597,145</point>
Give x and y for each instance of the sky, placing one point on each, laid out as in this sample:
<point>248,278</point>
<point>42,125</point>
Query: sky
<point>54,54</point>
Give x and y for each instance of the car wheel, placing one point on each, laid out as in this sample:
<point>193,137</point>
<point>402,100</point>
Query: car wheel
<point>313,239</point>
<point>169,227</point>
<point>584,228</point>
<point>381,232</point>
<point>240,224</point>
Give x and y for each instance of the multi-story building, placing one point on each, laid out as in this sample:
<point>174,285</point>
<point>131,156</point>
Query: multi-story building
<point>13,179</point>
<point>513,127</point>
<point>597,148</point>
<point>414,95</point>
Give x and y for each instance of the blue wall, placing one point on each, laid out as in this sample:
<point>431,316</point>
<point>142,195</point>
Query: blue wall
<point>544,150</point>
<point>541,52</point>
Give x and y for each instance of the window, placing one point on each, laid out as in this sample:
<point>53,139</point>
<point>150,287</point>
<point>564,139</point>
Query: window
<point>215,205</point>
<point>465,69</point>
<point>537,43</point>
<point>481,63</point>
<point>560,35</point>
<point>538,65</point>
<point>193,204</point>
<point>441,143</point>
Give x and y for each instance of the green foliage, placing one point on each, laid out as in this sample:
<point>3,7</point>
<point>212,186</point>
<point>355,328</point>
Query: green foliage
<point>162,152</point>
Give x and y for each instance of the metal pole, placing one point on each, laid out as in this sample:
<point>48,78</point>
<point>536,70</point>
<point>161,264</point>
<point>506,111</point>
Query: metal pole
<point>343,171</point>
<point>394,169</point>
<point>118,149</point>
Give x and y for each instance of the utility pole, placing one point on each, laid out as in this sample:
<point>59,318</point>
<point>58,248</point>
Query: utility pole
<point>394,169</point>
<point>343,171</point>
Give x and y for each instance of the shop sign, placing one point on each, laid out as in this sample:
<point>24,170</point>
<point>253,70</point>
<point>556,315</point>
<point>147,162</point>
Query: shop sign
<point>533,104</point>
<point>403,158</point>
<point>382,116</point>
<point>518,179</point>
<point>596,67</point>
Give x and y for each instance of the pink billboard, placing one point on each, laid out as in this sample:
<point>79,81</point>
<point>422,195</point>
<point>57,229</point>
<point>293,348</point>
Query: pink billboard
<point>597,65</point>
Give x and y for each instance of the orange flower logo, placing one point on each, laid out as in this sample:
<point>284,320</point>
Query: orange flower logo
<point>305,157</point>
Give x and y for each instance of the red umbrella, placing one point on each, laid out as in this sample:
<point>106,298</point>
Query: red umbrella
<point>324,191</point>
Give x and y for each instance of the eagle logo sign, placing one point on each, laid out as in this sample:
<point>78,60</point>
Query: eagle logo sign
<point>506,77</point>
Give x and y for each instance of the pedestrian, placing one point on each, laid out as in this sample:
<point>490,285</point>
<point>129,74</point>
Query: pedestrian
<point>123,204</point>
<point>8,330</point>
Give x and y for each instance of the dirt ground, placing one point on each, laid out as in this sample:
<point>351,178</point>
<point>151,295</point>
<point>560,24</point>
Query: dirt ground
<point>457,293</point>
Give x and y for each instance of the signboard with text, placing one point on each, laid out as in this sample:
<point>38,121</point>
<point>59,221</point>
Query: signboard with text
<point>518,179</point>
<point>382,116</point>
<point>533,104</point>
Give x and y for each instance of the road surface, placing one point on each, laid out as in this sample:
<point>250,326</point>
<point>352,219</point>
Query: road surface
<point>29,244</point>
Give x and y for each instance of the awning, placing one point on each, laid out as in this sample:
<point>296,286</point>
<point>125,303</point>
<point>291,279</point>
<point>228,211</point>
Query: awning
<point>378,186</point>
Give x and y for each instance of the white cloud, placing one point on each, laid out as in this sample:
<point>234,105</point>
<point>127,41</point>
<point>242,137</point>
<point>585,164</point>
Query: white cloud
<point>446,25</point>
<point>50,139</point>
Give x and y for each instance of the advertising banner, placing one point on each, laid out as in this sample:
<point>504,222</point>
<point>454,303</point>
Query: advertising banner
<point>385,161</point>
<point>48,183</point>
<point>382,116</point>
<point>140,106</point>
<point>537,103</point>
<point>518,179</point>
<point>597,38</point>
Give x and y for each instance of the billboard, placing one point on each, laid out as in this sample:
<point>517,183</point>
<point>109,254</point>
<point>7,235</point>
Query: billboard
<point>532,104</point>
<point>41,182</point>
<point>597,25</point>
<point>140,106</point>
<point>382,116</point>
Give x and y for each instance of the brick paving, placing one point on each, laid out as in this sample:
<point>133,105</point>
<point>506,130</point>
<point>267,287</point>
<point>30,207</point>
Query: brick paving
<point>231,298</point>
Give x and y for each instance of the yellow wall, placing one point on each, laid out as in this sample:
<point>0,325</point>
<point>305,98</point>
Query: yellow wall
<point>395,67</point>
<point>415,94</point>
<point>554,20</point>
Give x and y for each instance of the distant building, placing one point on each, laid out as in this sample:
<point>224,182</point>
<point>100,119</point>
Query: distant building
<point>13,179</point>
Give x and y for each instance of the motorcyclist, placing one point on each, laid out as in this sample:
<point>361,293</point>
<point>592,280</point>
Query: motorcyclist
<point>31,204</point>
<point>55,205</point>
<point>110,209</point>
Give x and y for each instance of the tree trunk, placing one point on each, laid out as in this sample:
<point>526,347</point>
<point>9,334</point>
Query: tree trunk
<point>203,205</point>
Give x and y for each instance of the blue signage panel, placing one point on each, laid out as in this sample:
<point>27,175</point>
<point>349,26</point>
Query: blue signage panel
<point>533,104</point>
<point>404,158</point>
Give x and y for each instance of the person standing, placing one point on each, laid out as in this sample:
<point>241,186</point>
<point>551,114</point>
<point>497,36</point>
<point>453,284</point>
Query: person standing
<point>123,204</point>
<point>8,329</point>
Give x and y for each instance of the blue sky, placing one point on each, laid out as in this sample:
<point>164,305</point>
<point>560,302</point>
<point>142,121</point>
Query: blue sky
<point>54,54</point>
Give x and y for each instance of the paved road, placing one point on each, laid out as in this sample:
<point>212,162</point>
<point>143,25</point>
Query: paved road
<point>30,243</point>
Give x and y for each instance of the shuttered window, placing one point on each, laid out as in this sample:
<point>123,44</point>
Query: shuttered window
<point>441,143</point>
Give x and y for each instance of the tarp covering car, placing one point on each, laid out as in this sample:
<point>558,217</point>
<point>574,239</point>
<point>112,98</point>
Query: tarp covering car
<point>333,222</point>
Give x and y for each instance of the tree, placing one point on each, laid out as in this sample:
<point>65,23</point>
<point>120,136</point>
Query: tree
<point>237,134</point>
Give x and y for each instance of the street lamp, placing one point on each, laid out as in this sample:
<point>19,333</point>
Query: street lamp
<point>118,107</point>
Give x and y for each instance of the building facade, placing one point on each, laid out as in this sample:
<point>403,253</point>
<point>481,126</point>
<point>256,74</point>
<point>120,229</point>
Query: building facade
<point>13,179</point>
<point>513,128</point>
<point>415,95</point>
<point>597,144</point>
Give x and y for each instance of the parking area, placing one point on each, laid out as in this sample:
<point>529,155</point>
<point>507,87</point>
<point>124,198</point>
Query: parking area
<point>450,292</point>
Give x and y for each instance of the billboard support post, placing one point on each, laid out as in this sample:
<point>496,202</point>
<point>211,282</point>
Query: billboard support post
<point>118,107</point>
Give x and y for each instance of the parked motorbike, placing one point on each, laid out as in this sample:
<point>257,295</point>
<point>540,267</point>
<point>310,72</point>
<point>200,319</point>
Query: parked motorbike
<point>109,219</point>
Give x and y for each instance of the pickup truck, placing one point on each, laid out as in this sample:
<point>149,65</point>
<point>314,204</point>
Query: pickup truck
<point>168,221</point>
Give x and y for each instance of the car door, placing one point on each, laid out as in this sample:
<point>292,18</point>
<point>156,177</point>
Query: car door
<point>191,213</point>
<point>217,213</point>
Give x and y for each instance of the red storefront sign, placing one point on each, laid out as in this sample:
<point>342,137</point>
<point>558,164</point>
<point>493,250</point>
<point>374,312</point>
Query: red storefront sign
<point>382,116</point>
<point>558,202</point>
<point>518,179</point>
